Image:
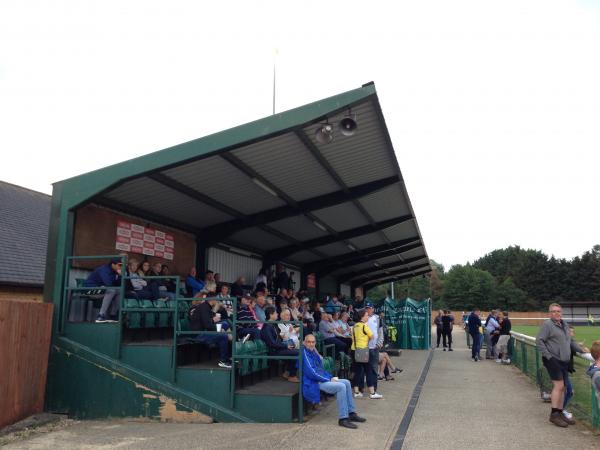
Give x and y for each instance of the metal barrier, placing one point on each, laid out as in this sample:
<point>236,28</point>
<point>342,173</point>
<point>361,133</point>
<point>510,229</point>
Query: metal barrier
<point>528,359</point>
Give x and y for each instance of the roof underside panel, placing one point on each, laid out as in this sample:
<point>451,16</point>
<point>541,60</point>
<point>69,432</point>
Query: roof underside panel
<point>152,196</point>
<point>386,203</point>
<point>303,257</point>
<point>360,158</point>
<point>285,162</point>
<point>337,248</point>
<point>257,238</point>
<point>221,181</point>
<point>367,241</point>
<point>401,231</point>
<point>342,217</point>
<point>298,226</point>
<point>413,253</point>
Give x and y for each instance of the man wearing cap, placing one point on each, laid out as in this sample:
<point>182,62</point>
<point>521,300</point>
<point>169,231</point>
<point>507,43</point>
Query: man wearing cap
<point>108,277</point>
<point>373,324</point>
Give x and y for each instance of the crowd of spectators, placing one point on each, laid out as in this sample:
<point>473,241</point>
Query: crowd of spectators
<point>270,310</point>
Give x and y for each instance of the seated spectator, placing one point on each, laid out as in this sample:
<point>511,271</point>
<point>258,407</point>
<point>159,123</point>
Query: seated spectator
<point>315,379</point>
<point>327,329</point>
<point>145,269</point>
<point>217,278</point>
<point>237,288</point>
<point>203,318</point>
<point>210,285</point>
<point>295,311</point>
<point>226,299</point>
<point>259,308</point>
<point>279,298</point>
<point>246,313</point>
<point>107,276</point>
<point>276,347</point>
<point>160,284</point>
<point>136,287</point>
<point>192,284</point>
<point>386,365</point>
<point>169,283</point>
<point>344,325</point>
<point>288,332</point>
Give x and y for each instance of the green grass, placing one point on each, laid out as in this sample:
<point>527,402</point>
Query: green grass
<point>584,334</point>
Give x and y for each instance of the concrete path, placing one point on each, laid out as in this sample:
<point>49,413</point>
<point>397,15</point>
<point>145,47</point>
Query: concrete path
<point>485,405</point>
<point>319,432</point>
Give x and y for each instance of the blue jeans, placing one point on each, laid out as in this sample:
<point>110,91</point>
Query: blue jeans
<point>343,396</point>
<point>475,344</point>
<point>221,340</point>
<point>568,392</point>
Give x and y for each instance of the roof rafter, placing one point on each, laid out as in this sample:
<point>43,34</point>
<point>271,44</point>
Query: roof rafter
<point>379,268</point>
<point>391,273</point>
<point>398,278</point>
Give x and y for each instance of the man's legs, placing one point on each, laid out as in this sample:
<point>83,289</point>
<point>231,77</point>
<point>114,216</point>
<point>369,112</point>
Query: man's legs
<point>340,346</point>
<point>341,397</point>
<point>488,345</point>
<point>439,335</point>
<point>475,337</point>
<point>222,341</point>
<point>111,295</point>
<point>290,364</point>
<point>568,393</point>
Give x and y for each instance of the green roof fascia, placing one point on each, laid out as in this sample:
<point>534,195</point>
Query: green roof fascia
<point>81,188</point>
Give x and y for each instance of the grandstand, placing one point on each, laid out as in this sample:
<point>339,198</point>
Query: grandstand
<point>328,203</point>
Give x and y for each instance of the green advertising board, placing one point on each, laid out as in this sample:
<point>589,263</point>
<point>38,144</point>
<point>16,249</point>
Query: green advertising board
<point>408,323</point>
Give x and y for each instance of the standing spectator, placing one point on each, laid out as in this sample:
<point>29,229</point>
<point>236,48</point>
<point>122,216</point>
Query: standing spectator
<point>358,303</point>
<point>282,279</point>
<point>203,318</point>
<point>554,342</point>
<point>373,324</point>
<point>361,337</point>
<point>218,281</point>
<point>315,379</point>
<point>504,337</point>
<point>438,327</point>
<point>447,326</point>
<point>107,276</point>
<point>491,325</point>
<point>192,284</point>
<point>276,347</point>
<point>260,283</point>
<point>474,325</point>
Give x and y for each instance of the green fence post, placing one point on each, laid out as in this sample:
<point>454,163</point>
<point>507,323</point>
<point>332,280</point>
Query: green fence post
<point>595,412</point>
<point>537,366</point>
<point>524,357</point>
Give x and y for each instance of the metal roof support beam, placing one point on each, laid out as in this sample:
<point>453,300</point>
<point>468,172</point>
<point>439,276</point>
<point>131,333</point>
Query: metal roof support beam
<point>392,273</point>
<point>400,278</point>
<point>363,254</point>
<point>385,254</point>
<point>219,232</point>
<point>349,276</point>
<point>342,235</point>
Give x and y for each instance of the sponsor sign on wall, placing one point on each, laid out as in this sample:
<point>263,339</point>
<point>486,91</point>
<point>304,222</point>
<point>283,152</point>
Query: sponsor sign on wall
<point>145,241</point>
<point>311,281</point>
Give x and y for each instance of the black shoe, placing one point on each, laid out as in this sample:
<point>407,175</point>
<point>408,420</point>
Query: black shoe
<point>450,350</point>
<point>356,418</point>
<point>346,423</point>
<point>444,348</point>
<point>397,370</point>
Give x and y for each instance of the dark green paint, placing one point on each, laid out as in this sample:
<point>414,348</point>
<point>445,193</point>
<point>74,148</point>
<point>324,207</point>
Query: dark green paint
<point>210,384</point>
<point>267,408</point>
<point>153,359</point>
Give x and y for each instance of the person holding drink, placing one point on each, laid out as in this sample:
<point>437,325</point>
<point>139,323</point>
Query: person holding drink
<point>203,318</point>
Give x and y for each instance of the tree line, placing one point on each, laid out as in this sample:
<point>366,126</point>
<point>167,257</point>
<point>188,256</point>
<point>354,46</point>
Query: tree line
<point>512,278</point>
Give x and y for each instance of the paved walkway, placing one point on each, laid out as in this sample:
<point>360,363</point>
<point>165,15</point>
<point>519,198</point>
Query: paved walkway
<point>485,405</point>
<point>463,405</point>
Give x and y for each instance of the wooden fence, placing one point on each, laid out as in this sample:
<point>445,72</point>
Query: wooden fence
<point>25,331</point>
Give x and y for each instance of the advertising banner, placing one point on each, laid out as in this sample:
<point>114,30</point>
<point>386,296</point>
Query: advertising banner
<point>145,241</point>
<point>408,323</point>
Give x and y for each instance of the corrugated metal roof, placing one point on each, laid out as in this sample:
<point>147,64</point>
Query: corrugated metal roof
<point>303,257</point>
<point>367,241</point>
<point>152,196</point>
<point>221,181</point>
<point>342,217</point>
<point>337,248</point>
<point>386,203</point>
<point>23,235</point>
<point>298,226</point>
<point>286,163</point>
<point>401,231</point>
<point>257,238</point>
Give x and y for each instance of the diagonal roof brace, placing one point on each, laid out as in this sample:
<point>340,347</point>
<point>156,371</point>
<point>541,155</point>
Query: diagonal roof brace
<point>397,278</point>
<point>351,275</point>
<point>391,273</point>
<point>282,252</point>
<point>219,232</point>
<point>365,254</point>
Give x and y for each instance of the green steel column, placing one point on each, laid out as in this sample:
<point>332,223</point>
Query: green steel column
<point>595,412</point>
<point>300,360</point>
<point>232,376</point>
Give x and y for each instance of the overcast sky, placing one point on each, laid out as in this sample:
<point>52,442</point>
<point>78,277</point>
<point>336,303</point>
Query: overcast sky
<point>493,107</point>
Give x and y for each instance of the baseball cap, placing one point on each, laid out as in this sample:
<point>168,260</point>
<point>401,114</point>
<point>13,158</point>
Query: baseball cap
<point>368,305</point>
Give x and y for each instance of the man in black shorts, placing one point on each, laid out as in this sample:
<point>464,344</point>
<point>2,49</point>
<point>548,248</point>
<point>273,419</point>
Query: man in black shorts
<point>554,342</point>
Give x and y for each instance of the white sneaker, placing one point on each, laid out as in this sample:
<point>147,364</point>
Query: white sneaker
<point>507,361</point>
<point>375,395</point>
<point>358,395</point>
<point>567,414</point>
<point>498,360</point>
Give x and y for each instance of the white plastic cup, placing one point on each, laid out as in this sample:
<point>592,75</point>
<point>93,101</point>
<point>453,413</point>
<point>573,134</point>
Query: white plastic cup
<point>219,327</point>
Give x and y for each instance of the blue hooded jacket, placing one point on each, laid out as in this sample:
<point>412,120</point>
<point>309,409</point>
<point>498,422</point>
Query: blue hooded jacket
<point>595,380</point>
<point>313,374</point>
<point>103,276</point>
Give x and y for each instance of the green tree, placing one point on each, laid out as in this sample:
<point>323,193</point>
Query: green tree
<point>508,297</point>
<point>466,287</point>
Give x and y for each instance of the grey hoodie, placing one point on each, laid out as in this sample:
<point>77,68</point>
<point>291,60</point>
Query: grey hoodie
<point>594,373</point>
<point>554,341</point>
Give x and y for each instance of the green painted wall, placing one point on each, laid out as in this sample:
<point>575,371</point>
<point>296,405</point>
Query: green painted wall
<point>154,359</point>
<point>213,385</point>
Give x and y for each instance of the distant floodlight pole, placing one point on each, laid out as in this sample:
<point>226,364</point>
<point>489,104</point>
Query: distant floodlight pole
<point>275,53</point>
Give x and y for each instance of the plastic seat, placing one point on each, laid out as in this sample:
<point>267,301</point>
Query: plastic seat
<point>149,317</point>
<point>261,349</point>
<point>163,317</point>
<point>248,364</point>
<point>134,319</point>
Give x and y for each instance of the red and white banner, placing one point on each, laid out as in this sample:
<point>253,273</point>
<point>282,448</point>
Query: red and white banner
<point>146,241</point>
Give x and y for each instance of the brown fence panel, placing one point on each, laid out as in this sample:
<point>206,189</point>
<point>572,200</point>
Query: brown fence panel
<point>25,331</point>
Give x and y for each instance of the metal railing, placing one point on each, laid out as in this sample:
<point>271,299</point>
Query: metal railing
<point>177,332</point>
<point>528,359</point>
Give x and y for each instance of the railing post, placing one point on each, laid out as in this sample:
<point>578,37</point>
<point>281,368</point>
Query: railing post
<point>595,411</point>
<point>233,355</point>
<point>300,361</point>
